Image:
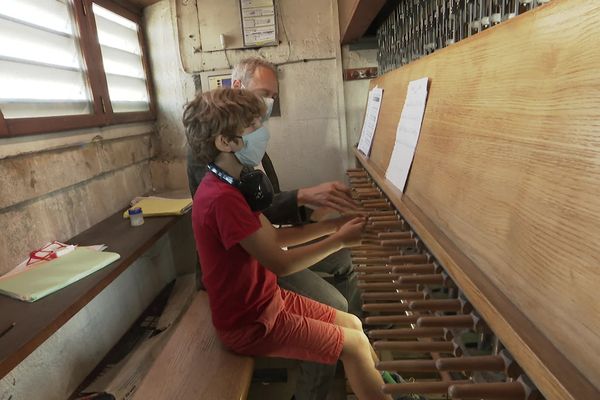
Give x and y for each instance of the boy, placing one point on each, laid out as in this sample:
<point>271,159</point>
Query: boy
<point>241,252</point>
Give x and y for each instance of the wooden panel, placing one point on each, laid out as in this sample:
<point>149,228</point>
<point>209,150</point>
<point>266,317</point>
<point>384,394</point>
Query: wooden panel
<point>355,17</point>
<point>195,365</point>
<point>3,127</point>
<point>141,3</point>
<point>507,177</point>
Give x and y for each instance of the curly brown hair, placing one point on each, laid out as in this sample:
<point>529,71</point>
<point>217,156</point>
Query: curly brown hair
<point>224,112</point>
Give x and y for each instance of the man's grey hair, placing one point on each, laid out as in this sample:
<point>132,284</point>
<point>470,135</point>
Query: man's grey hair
<point>245,69</point>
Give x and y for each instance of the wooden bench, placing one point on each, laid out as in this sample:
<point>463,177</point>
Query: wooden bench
<point>194,364</point>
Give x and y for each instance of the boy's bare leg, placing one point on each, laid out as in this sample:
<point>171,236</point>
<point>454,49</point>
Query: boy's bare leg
<point>350,321</point>
<point>359,359</point>
<point>364,379</point>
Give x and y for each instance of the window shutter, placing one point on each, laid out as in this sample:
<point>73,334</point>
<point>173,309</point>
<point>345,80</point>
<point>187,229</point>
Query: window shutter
<point>41,68</point>
<point>122,59</point>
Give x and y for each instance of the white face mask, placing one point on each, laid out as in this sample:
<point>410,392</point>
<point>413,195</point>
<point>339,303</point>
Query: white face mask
<point>255,146</point>
<point>269,103</point>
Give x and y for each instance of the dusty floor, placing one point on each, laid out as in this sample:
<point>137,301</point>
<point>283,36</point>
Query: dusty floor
<point>278,369</point>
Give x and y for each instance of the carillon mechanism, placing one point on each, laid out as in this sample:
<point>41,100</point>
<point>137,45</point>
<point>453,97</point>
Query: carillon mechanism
<point>419,27</point>
<point>421,323</point>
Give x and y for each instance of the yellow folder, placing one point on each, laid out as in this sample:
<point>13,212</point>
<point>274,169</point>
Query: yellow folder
<point>49,277</point>
<point>156,206</point>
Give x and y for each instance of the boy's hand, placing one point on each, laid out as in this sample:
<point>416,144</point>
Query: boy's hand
<point>350,232</point>
<point>340,221</point>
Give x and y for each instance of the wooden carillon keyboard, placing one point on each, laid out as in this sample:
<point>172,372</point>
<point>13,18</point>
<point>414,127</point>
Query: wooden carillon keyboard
<point>434,336</point>
<point>480,275</point>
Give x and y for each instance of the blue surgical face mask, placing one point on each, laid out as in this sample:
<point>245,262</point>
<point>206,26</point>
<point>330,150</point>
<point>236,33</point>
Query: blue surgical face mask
<point>255,146</point>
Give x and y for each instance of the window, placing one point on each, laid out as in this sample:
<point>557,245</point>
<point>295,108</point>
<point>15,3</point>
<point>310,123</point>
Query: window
<point>122,59</point>
<point>68,64</point>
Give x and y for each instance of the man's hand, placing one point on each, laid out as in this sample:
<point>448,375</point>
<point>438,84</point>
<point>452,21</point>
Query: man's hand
<point>350,232</point>
<point>334,195</point>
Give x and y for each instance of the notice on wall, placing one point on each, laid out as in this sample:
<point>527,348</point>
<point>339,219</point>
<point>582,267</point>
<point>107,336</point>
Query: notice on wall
<point>258,23</point>
<point>370,122</point>
<point>407,133</point>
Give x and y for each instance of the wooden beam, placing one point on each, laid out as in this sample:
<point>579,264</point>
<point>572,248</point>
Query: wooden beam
<point>3,127</point>
<point>356,16</point>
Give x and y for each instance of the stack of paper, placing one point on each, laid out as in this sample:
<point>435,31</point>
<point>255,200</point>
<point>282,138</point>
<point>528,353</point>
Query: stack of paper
<point>159,206</point>
<point>48,277</point>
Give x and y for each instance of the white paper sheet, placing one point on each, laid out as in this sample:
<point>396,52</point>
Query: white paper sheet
<point>407,134</point>
<point>26,264</point>
<point>258,22</point>
<point>370,123</point>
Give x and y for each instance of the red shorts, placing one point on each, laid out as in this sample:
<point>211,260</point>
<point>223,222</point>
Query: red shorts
<point>303,330</point>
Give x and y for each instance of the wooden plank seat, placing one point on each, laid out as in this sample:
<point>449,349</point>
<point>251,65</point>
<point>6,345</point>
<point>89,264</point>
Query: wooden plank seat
<point>194,364</point>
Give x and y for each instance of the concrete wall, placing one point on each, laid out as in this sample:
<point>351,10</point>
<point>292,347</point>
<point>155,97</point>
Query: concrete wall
<point>57,185</point>
<point>308,144</point>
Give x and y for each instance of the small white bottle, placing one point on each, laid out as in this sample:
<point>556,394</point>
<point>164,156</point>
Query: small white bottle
<point>136,217</point>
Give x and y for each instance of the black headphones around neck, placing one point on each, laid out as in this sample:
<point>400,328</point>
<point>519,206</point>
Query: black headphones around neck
<point>254,185</point>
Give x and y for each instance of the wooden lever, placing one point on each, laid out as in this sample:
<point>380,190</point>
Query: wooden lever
<point>488,391</point>
<point>477,363</point>
<point>367,252</point>
<point>453,321</point>
<point>372,269</point>
<point>375,201</point>
<point>384,206</point>
<point>371,261</point>
<point>367,190</point>
<point>449,321</point>
<point>373,213</point>
<point>361,183</point>
<point>400,225</point>
<point>393,235</point>
<point>421,387</point>
<point>377,277</point>
<point>407,366</point>
<point>355,170</point>
<point>377,287</point>
<point>385,307</point>
<point>398,243</point>
<point>423,269</point>
<point>415,347</point>
<point>395,295</point>
<point>502,362</point>
<point>432,279</point>
<point>435,305</point>
<point>400,333</point>
<point>409,259</point>
<point>391,319</point>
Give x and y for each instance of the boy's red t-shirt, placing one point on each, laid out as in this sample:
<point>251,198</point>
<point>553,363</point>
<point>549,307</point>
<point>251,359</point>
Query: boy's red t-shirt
<point>240,290</point>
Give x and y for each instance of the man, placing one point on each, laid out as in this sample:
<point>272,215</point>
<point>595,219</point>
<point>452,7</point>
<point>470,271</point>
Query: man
<point>288,207</point>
